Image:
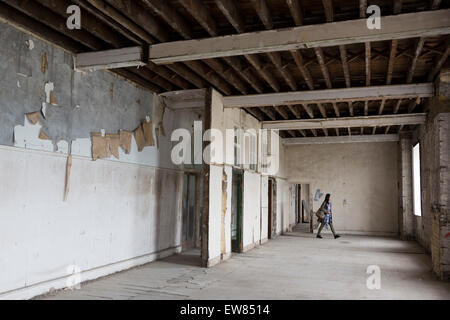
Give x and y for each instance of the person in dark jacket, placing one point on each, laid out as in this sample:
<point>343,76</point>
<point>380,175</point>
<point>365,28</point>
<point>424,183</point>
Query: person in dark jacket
<point>327,219</point>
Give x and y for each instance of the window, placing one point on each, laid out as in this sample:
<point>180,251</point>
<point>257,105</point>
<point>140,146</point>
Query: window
<point>417,198</point>
<point>237,147</point>
<point>253,152</point>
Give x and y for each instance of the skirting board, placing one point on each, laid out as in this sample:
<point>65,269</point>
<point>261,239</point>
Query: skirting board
<point>92,274</point>
<point>226,256</point>
<point>360,233</point>
<point>248,247</point>
<point>213,261</point>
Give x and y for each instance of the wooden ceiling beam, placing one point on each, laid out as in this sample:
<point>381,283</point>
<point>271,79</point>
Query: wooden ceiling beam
<point>394,45</point>
<point>381,108</point>
<point>109,10</point>
<point>264,14</point>
<point>142,18</point>
<point>269,112</point>
<point>245,73</point>
<point>182,70</point>
<point>435,4</point>
<point>90,23</point>
<point>412,105</point>
<point>231,12</point>
<point>265,74</point>
<point>200,12</point>
<point>202,15</point>
<point>86,6</point>
<point>345,68</point>
<point>341,139</point>
<point>397,6</point>
<point>328,7</point>
<point>227,74</point>
<point>162,71</point>
<point>391,63</point>
<point>412,68</point>
<point>368,63</point>
<point>407,91</point>
<point>322,110</point>
<point>331,123</point>
<point>209,75</point>
<point>439,62</point>
<point>298,58</point>
<point>262,9</point>
<point>281,111</point>
<point>170,16</point>
<point>402,26</point>
<point>366,108</point>
<point>296,11</point>
<point>323,67</point>
<point>308,110</point>
<point>57,23</point>
<point>295,111</point>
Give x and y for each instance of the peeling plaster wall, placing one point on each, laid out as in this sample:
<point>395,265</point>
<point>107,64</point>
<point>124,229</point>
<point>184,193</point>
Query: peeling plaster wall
<point>119,212</point>
<point>85,102</point>
<point>362,178</point>
<point>432,229</point>
<point>222,119</point>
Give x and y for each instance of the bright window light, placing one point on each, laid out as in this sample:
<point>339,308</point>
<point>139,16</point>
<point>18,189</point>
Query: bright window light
<point>416,181</point>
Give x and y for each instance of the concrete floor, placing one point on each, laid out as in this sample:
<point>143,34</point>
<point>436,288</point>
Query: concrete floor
<point>293,266</point>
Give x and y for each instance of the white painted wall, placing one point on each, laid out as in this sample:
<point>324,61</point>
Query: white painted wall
<point>215,212</point>
<point>264,207</point>
<point>117,215</point>
<point>252,209</point>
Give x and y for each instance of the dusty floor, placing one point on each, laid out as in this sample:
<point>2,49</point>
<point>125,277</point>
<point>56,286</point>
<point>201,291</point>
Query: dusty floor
<point>293,266</point>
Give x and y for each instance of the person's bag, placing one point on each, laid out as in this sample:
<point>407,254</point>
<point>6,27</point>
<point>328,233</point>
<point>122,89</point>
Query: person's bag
<point>320,214</point>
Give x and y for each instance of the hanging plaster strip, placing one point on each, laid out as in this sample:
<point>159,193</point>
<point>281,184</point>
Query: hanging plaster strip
<point>68,169</point>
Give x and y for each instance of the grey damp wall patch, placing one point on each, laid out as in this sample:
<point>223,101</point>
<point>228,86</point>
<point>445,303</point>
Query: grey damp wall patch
<point>82,102</point>
<point>318,195</point>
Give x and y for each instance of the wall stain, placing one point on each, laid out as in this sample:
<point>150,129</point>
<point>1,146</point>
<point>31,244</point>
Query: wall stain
<point>44,63</point>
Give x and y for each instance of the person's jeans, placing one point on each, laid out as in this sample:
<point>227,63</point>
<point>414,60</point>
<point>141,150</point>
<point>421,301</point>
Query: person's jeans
<point>323,224</point>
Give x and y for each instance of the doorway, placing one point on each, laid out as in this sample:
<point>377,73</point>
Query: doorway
<point>236,211</point>
<point>191,210</point>
<point>272,209</point>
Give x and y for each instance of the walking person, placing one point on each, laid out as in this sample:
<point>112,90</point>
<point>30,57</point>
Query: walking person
<point>325,218</point>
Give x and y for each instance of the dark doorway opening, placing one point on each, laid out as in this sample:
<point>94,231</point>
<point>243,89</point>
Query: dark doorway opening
<point>191,211</point>
<point>236,212</point>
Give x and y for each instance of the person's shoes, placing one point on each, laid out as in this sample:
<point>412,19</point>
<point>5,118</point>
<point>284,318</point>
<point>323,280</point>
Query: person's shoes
<point>337,236</point>
<point>319,236</point>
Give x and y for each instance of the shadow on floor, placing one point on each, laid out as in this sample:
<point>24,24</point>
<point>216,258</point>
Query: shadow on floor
<point>189,258</point>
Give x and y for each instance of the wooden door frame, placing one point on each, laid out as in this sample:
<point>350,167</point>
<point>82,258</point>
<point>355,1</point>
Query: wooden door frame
<point>304,183</point>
